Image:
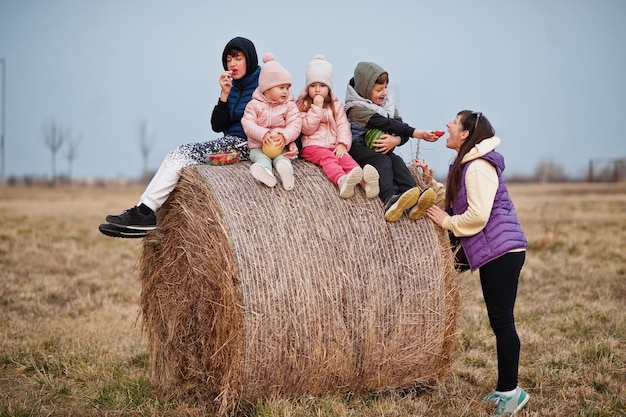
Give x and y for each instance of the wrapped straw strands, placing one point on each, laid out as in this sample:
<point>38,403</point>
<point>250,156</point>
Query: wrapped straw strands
<point>250,292</point>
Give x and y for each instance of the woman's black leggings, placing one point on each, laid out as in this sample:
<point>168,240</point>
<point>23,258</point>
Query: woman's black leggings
<point>499,279</point>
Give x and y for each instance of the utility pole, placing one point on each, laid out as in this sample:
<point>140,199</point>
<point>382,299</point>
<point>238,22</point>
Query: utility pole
<point>2,178</point>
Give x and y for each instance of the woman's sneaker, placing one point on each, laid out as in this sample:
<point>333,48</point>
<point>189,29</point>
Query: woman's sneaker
<point>508,406</point>
<point>134,219</point>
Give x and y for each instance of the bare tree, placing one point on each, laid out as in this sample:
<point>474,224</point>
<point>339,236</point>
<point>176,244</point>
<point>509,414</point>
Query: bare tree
<point>146,142</point>
<point>549,171</point>
<point>54,136</point>
<point>71,152</point>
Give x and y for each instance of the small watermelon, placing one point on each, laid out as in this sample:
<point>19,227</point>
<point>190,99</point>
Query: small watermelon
<point>371,135</point>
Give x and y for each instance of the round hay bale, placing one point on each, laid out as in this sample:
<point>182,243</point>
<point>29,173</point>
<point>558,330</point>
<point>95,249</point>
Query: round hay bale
<point>251,292</point>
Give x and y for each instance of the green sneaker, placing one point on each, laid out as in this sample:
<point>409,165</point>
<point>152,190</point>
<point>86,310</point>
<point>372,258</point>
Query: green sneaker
<point>508,406</point>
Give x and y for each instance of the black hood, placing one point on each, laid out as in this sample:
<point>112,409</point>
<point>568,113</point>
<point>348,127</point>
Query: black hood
<point>247,47</point>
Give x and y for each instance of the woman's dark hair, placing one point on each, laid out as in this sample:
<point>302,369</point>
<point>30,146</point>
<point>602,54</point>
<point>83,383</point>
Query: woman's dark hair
<point>479,129</point>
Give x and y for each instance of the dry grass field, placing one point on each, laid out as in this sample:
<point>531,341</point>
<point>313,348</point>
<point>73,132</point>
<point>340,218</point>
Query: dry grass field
<point>71,342</point>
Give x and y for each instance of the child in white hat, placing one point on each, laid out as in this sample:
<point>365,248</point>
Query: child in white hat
<point>326,134</point>
<point>271,121</point>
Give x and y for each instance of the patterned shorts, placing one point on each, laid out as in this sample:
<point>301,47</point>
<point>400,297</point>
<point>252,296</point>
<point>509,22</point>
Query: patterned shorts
<point>198,153</point>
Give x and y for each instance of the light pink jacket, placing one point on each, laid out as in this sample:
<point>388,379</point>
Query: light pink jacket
<point>320,128</point>
<point>261,117</point>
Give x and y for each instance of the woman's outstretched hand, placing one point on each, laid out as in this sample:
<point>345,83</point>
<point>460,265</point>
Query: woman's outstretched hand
<point>436,214</point>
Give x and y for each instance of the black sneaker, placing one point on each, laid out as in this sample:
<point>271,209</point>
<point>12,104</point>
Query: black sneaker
<point>134,219</point>
<point>391,201</point>
<point>123,232</point>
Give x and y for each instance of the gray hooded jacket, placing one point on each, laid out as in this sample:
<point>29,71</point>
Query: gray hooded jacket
<point>365,114</point>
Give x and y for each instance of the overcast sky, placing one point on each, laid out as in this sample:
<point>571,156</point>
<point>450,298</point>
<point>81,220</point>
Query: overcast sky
<point>549,74</point>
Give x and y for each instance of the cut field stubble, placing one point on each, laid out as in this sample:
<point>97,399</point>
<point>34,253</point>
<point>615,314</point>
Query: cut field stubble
<point>71,342</point>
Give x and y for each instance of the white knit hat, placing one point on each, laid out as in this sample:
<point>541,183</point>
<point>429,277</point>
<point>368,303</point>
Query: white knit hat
<point>272,73</point>
<point>319,71</point>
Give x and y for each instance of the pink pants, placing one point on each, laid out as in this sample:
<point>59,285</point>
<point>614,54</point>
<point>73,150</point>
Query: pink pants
<point>333,168</point>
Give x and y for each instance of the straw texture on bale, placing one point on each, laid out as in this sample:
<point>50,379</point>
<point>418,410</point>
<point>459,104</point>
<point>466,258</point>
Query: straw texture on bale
<point>250,292</point>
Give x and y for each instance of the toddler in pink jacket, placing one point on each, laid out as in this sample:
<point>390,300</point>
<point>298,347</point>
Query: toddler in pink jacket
<point>271,121</point>
<point>326,133</point>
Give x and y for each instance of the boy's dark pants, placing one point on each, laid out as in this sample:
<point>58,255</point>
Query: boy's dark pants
<point>395,177</point>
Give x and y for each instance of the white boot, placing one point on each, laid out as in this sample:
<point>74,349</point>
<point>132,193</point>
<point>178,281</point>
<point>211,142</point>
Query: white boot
<point>263,174</point>
<point>349,181</point>
<point>370,181</point>
<point>285,172</point>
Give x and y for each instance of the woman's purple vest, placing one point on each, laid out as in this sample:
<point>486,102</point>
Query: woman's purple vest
<point>502,233</point>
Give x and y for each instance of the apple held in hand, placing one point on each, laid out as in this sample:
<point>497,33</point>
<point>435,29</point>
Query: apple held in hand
<point>272,149</point>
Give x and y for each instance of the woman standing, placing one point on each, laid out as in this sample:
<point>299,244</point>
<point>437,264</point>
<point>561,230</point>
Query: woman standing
<point>480,213</point>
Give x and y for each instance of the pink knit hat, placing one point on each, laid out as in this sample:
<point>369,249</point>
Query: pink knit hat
<point>272,73</point>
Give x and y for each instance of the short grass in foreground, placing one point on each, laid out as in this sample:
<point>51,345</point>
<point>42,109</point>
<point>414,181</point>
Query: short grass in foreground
<point>71,342</point>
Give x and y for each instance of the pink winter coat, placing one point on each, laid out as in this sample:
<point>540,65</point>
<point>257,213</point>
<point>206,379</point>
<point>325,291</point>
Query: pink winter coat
<point>261,117</point>
<point>320,128</point>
